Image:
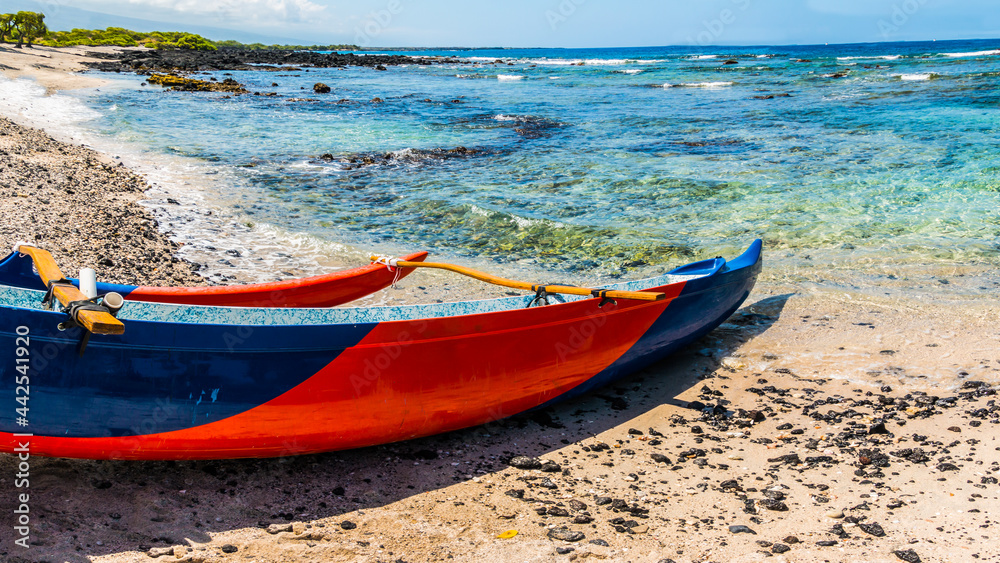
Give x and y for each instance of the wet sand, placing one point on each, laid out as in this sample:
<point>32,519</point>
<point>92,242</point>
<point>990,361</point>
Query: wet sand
<point>822,422</point>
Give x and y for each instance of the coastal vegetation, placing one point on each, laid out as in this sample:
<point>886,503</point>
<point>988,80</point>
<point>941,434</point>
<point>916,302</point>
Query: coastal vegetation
<point>28,27</point>
<point>25,27</point>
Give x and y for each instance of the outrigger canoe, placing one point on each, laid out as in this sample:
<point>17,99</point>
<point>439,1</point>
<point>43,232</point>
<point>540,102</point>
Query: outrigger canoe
<point>195,382</point>
<point>327,290</point>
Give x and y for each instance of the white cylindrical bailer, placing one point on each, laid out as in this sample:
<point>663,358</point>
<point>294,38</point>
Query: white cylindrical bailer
<point>88,282</point>
<point>113,301</point>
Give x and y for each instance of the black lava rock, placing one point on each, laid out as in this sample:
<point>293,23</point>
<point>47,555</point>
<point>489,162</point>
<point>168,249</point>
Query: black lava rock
<point>599,542</point>
<point>907,555</point>
<point>660,458</point>
<point>348,525</point>
<point>524,462</point>
<point>780,548</point>
<point>565,534</point>
<point>740,529</point>
<point>229,548</point>
<point>772,504</point>
<point>873,529</point>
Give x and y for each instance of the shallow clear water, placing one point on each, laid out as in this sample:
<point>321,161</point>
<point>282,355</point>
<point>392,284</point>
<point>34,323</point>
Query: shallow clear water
<point>636,159</point>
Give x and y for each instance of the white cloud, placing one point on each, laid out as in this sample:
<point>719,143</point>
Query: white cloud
<point>290,11</point>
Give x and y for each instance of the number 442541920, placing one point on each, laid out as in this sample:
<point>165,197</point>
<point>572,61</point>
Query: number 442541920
<point>23,361</point>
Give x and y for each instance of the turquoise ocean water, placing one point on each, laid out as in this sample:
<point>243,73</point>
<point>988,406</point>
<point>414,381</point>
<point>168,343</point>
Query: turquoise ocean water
<point>609,162</point>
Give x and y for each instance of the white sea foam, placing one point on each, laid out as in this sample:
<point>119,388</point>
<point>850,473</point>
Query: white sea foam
<point>59,114</point>
<point>994,52</point>
<point>704,57</point>
<point>871,57</point>
<point>916,77</point>
<point>509,77</point>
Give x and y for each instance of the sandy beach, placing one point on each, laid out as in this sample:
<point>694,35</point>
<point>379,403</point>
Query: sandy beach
<point>814,425</point>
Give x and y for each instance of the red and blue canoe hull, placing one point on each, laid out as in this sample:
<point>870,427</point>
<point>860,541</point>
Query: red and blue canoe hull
<point>327,290</point>
<point>168,390</point>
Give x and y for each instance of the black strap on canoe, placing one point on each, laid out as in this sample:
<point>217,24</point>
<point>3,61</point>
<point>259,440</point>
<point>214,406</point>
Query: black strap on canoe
<point>541,296</point>
<point>73,309</point>
<point>49,299</point>
<point>603,294</point>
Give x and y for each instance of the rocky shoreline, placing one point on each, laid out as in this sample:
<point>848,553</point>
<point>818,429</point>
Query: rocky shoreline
<point>170,61</point>
<point>82,206</point>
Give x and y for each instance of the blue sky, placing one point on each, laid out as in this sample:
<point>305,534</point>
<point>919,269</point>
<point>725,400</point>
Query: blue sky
<point>555,23</point>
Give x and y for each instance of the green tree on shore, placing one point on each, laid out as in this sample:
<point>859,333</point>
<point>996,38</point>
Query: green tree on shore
<point>27,26</point>
<point>6,26</point>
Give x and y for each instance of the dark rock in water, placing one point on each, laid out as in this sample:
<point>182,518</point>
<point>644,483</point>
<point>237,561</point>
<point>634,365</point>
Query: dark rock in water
<point>326,156</point>
<point>599,542</point>
<point>660,458</point>
<point>772,504</point>
<point>377,101</point>
<point>731,62</point>
<point>240,59</point>
<point>873,529</point>
<point>348,525</point>
<point>740,529</point>
<point>947,467</point>
<point>524,462</point>
<point>565,534</point>
<point>229,548</point>
<point>321,88</point>
<point>907,555</point>
<point>780,548</point>
<point>182,84</point>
